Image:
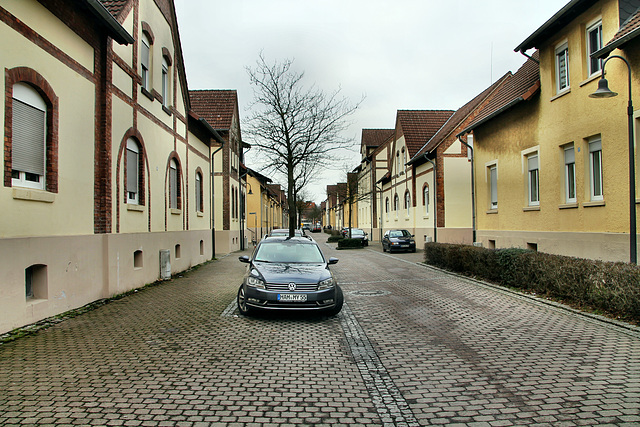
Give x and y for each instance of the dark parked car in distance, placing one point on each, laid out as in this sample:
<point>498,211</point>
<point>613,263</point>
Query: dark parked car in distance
<point>398,240</point>
<point>357,233</point>
<point>289,273</point>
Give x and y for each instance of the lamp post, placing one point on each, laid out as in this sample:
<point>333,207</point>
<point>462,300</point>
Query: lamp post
<point>604,92</point>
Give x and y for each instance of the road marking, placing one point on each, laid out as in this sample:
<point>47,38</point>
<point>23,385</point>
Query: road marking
<point>231,308</point>
<point>391,406</point>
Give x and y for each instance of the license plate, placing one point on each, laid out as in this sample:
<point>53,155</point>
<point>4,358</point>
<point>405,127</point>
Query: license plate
<point>404,246</point>
<point>292,297</point>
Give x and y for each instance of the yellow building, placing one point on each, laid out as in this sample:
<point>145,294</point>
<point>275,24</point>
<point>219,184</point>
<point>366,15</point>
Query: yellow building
<point>551,164</point>
<point>106,172</point>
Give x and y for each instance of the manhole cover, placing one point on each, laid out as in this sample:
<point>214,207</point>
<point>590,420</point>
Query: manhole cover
<point>372,293</point>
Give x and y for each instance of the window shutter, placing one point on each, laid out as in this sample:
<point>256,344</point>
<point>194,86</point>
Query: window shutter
<point>569,156</point>
<point>144,55</point>
<point>533,162</point>
<point>132,171</point>
<point>28,138</point>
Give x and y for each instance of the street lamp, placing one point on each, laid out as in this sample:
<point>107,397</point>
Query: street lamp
<point>604,92</point>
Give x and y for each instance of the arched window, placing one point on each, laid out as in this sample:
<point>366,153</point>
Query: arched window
<point>165,82</point>
<point>133,168</point>
<point>199,193</point>
<point>28,139</point>
<point>145,60</point>
<point>398,162</point>
<point>386,205</point>
<point>174,185</point>
<point>396,203</point>
<point>407,200</point>
<point>404,157</point>
<point>425,199</point>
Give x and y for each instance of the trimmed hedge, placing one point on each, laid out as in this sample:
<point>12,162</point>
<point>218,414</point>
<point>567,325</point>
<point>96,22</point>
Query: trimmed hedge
<point>335,238</point>
<point>612,288</point>
<point>344,243</point>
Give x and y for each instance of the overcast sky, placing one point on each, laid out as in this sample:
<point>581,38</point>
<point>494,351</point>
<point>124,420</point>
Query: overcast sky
<point>399,54</point>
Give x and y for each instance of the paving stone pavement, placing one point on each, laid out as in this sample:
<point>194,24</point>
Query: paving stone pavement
<point>413,346</point>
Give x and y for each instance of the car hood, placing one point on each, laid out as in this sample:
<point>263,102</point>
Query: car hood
<point>286,273</point>
<point>401,239</point>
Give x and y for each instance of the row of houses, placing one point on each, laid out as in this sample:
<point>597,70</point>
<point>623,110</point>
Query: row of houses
<point>115,172</point>
<point>531,162</point>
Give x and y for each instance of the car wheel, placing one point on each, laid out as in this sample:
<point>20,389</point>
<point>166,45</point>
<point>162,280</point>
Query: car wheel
<point>384,249</point>
<point>243,308</point>
<point>339,302</point>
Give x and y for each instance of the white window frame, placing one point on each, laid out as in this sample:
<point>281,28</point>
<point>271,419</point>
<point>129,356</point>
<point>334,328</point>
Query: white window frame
<point>27,95</point>
<point>425,195</point>
<point>407,201</point>
<point>492,179</point>
<point>562,54</point>
<point>132,197</point>
<point>596,169</point>
<point>165,82</point>
<point>594,65</point>
<point>386,205</point>
<point>533,179</point>
<point>199,192</point>
<point>145,61</point>
<point>173,184</point>
<point>569,174</point>
<point>396,204</point>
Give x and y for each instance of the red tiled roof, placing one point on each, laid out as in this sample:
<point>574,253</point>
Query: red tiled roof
<point>375,137</point>
<point>217,107</point>
<point>519,87</point>
<point>418,126</point>
<point>114,6</point>
<point>461,115</point>
<point>630,29</point>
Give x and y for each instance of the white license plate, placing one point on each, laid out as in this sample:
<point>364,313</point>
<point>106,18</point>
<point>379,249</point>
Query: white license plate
<point>292,297</point>
<point>404,246</point>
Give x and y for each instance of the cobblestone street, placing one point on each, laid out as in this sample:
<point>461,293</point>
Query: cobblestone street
<point>412,346</point>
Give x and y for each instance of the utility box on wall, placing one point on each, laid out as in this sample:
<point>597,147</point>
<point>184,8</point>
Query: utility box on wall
<point>165,264</point>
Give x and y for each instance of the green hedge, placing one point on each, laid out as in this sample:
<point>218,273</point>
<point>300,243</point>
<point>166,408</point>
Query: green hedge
<point>612,288</point>
<point>349,243</point>
<point>334,238</point>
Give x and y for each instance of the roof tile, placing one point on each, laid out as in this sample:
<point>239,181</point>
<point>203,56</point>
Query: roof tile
<point>418,126</point>
<point>217,107</point>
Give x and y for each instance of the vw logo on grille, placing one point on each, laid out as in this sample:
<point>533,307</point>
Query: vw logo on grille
<point>292,286</point>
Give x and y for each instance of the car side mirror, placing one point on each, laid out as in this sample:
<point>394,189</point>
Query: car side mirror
<point>244,258</point>
<point>333,260</point>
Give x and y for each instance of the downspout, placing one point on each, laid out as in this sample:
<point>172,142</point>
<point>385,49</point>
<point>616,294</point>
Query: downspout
<point>435,199</point>
<point>220,140</point>
<point>473,190</point>
<point>530,57</point>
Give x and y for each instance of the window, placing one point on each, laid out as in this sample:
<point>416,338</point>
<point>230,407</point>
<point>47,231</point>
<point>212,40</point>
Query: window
<point>35,282</point>
<point>165,82</point>
<point>28,137</point>
<point>594,43</point>
<point>396,203</point>
<point>493,187</point>
<point>534,176</point>
<point>595,168</point>
<point>407,201</point>
<point>404,157</point>
<point>145,60</point>
<point>173,185</point>
<point>570,175</point>
<point>425,199</point>
<point>386,205</point>
<point>199,197</point>
<point>133,170</point>
<point>562,67</point>
<point>398,162</point>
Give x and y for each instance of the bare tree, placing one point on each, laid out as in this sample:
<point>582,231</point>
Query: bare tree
<point>296,129</point>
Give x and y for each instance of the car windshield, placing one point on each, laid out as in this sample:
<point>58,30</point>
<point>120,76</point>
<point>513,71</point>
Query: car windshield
<point>284,232</point>
<point>289,252</point>
<point>356,231</point>
<point>399,233</point>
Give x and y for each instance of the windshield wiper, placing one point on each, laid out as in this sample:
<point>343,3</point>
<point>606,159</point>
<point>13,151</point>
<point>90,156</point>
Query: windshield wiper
<point>261,260</point>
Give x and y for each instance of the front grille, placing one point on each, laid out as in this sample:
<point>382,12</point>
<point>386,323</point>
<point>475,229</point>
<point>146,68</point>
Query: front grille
<point>284,287</point>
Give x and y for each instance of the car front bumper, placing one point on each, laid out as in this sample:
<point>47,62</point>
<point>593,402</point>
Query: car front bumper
<point>281,300</point>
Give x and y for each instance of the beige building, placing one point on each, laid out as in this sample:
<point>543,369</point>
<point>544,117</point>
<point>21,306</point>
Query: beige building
<point>106,172</point>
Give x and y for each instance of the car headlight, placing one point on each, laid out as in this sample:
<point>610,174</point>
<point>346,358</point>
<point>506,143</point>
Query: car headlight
<point>255,282</point>
<point>326,284</point>
<point>395,243</point>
